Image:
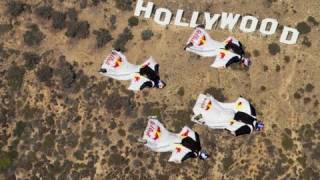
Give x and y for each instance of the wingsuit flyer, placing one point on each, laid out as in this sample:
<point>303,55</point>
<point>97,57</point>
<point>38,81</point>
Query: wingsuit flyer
<point>159,89</point>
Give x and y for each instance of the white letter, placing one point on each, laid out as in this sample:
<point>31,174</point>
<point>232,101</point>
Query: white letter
<point>210,20</point>
<point>167,16</point>
<point>285,33</point>
<point>244,23</point>
<point>194,19</point>
<point>264,24</point>
<point>147,10</point>
<point>178,19</point>
<point>227,19</point>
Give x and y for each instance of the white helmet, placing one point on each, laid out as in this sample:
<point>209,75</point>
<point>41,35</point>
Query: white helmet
<point>203,155</point>
<point>161,84</point>
<point>246,62</point>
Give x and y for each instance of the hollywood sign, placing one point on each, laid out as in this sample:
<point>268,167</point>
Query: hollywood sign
<point>248,24</point>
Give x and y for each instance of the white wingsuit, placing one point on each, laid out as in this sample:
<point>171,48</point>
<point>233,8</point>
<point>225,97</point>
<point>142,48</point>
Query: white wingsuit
<point>159,139</point>
<point>118,67</point>
<point>202,44</point>
<point>217,115</point>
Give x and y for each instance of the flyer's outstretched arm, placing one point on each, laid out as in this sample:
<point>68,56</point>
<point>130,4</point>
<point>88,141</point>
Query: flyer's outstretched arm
<point>202,44</point>
<point>117,66</point>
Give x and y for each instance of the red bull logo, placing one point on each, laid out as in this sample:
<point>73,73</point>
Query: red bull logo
<point>202,40</point>
<point>114,60</point>
<point>153,131</point>
<point>208,106</point>
<point>239,105</point>
<point>117,62</point>
<point>157,134</point>
<point>198,35</point>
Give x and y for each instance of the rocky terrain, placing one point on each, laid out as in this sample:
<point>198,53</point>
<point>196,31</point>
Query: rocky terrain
<point>60,119</point>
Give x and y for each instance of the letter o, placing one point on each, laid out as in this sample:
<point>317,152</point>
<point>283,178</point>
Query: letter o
<point>244,22</point>
<point>264,25</point>
<point>167,16</point>
<point>285,34</point>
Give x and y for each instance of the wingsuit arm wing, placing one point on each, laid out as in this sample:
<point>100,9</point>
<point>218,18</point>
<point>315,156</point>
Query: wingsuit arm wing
<point>116,66</point>
<point>187,132</point>
<point>151,62</point>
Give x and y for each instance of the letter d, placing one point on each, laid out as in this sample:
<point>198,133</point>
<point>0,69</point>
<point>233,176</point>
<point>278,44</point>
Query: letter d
<point>285,33</point>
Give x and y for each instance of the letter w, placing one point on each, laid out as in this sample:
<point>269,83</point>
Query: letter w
<point>229,20</point>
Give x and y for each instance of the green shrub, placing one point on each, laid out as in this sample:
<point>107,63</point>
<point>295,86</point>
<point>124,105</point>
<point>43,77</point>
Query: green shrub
<point>287,142</point>
<point>72,15</point>
<point>4,28</point>
<point>58,20</point>
<point>83,80</point>
<point>124,4</point>
<point>313,21</point>
<point>116,160</point>
<point>146,34</point>
<point>15,8</point>
<point>103,36</point>
<point>44,74</point>
<point>7,159</point>
<point>303,28</point>
<point>273,48</point>
<point>78,30</point>
<point>113,21</point>
<point>44,12</point>
<point>66,73</point>
<point>49,142</point>
<point>181,91</point>
<point>3,53</point>
<point>96,2</point>
<point>31,59</point>
<point>29,112</point>
<point>133,21</point>
<point>83,4</point>
<point>19,128</point>
<point>33,36</point>
<point>227,162</point>
<point>15,76</point>
<point>122,40</point>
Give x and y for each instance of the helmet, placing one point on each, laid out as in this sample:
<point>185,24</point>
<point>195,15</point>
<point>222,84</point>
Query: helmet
<point>246,62</point>
<point>203,155</point>
<point>161,84</point>
<point>259,126</point>
<point>102,70</point>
